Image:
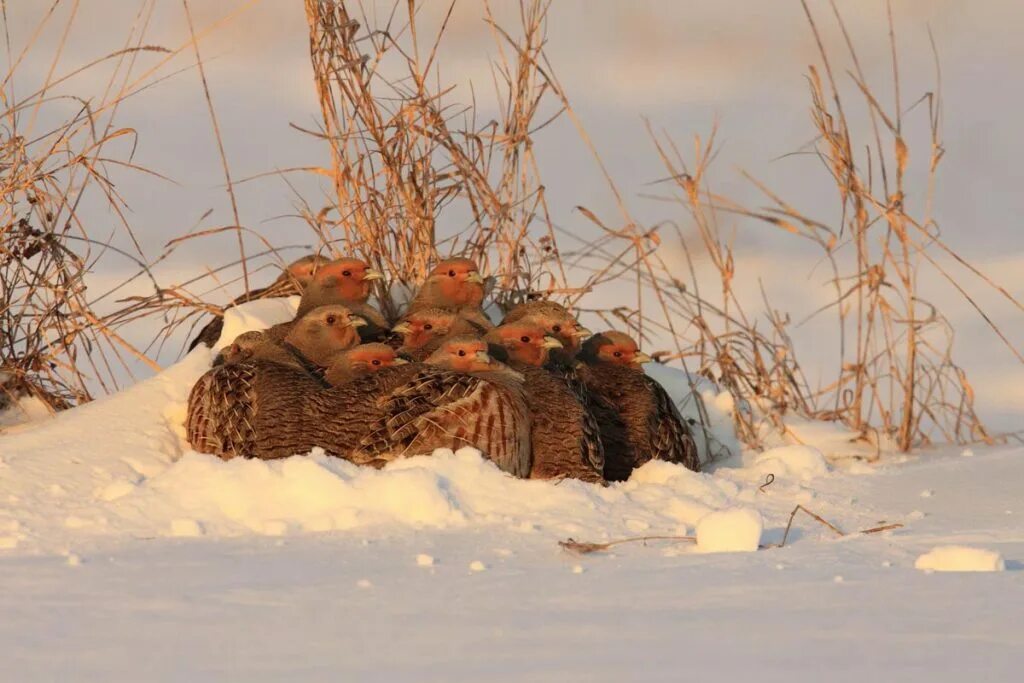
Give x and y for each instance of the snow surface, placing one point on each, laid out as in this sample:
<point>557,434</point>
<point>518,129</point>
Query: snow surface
<point>125,555</point>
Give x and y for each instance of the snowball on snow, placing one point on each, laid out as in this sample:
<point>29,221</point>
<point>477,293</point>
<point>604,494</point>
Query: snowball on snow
<point>800,461</point>
<point>958,558</point>
<point>731,530</point>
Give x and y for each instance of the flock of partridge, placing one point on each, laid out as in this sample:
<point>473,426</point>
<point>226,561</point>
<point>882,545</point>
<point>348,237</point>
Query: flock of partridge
<point>538,394</point>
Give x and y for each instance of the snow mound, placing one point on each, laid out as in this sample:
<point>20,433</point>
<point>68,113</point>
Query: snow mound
<point>798,462</point>
<point>735,530</point>
<point>959,558</point>
<point>120,468</point>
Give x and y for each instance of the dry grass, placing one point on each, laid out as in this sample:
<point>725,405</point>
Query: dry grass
<point>54,345</point>
<point>414,175</point>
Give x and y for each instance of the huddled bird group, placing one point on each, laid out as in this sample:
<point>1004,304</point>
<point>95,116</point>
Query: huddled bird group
<point>538,394</point>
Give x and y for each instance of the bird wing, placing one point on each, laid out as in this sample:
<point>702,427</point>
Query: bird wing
<point>221,408</point>
<point>442,409</point>
<point>593,449</point>
<point>671,437</point>
<point>209,334</point>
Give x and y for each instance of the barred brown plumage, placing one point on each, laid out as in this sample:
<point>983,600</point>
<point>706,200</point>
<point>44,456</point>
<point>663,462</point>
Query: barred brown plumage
<point>265,409</point>
<point>654,429</point>
<point>565,435</point>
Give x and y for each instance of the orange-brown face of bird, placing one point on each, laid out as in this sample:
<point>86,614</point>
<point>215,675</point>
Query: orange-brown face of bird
<point>562,327</point>
<point>616,348</point>
<point>526,343</point>
<point>349,278</point>
<point>420,328</point>
<point>458,282</point>
<point>462,354</point>
<point>367,358</point>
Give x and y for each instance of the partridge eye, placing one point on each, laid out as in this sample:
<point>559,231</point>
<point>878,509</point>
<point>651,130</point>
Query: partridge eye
<point>556,328</point>
<point>618,354</point>
<point>375,361</point>
<point>346,273</point>
<point>331,319</point>
<point>428,326</point>
<point>524,339</point>
<point>462,352</point>
<point>451,273</point>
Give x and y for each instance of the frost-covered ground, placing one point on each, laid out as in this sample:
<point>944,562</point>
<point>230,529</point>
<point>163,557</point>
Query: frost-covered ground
<point>125,556</point>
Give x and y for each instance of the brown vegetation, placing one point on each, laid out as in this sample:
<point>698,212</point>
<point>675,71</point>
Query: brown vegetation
<point>415,176</point>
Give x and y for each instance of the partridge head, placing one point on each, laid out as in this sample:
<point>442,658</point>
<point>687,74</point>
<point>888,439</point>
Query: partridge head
<point>524,342</point>
<point>323,333</point>
<point>345,280</point>
<point>615,348</point>
<point>362,360</point>
<point>555,319</point>
<point>452,283</point>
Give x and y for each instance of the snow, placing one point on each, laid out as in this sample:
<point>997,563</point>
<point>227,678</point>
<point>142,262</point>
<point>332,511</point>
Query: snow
<point>441,567</point>
<point>736,530</point>
<point>958,558</point>
<point>25,410</point>
<point>800,462</point>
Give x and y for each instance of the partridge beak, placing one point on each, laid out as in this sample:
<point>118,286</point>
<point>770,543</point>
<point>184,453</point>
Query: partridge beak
<point>356,321</point>
<point>642,357</point>
<point>402,328</point>
<point>582,333</point>
<point>372,275</point>
<point>551,343</point>
<point>399,361</point>
<point>475,278</point>
<point>483,356</point>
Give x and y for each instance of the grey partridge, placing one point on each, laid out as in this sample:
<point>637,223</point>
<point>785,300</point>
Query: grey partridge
<point>566,437</point>
<point>654,429</point>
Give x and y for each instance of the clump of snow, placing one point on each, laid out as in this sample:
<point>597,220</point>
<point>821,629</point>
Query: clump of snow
<point>477,566</point>
<point>958,558</point>
<point>424,560</point>
<point>733,530</point>
<point>799,462</point>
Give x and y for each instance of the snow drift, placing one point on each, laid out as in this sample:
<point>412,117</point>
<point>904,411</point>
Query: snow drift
<point>120,467</point>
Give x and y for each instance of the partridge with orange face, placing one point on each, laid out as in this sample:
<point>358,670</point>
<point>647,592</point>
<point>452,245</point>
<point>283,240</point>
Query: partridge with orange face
<point>454,285</point>
<point>566,438</point>
<point>555,319</point>
<point>292,281</point>
<point>264,409</point>
<point>423,331</point>
<point>346,282</point>
<point>362,360</point>
<point>654,429</point>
